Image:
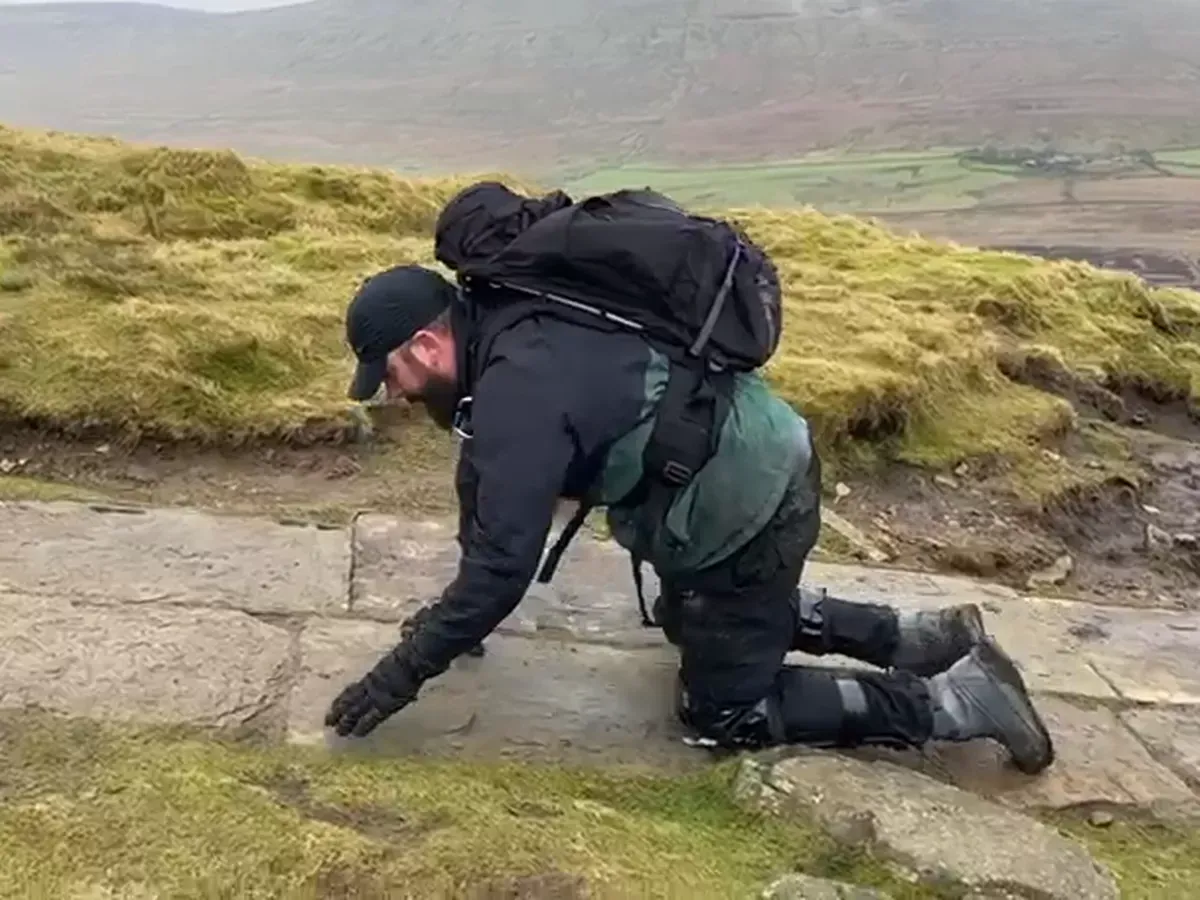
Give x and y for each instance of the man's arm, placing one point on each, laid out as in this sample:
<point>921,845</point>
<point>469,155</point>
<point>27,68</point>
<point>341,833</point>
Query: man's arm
<point>516,463</point>
<point>465,481</point>
<point>519,456</point>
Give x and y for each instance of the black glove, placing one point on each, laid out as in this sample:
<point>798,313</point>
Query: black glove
<point>364,704</point>
<point>410,625</point>
<point>385,690</point>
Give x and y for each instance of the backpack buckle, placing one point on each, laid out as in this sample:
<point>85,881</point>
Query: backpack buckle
<point>462,419</point>
<point>676,473</point>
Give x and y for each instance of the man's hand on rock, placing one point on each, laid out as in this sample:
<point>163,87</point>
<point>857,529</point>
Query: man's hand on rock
<point>364,704</point>
<point>389,687</point>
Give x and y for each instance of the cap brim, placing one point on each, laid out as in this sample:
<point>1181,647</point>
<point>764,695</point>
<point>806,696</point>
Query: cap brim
<point>367,378</point>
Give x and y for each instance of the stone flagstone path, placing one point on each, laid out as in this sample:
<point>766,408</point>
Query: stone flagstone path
<point>173,615</point>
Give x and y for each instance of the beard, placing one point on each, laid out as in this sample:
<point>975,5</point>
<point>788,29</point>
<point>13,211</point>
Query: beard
<point>440,399</point>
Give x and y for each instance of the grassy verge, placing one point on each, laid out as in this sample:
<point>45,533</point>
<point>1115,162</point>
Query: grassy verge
<point>189,294</point>
<point>1150,861</point>
<point>197,295</point>
<point>94,811</point>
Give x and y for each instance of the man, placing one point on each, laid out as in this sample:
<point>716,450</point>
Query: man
<point>557,409</point>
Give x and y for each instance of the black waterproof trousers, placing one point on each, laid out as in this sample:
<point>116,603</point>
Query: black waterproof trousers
<point>735,622</point>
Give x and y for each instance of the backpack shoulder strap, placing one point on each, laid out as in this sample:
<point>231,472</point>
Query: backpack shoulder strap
<point>476,327</point>
<point>687,429</point>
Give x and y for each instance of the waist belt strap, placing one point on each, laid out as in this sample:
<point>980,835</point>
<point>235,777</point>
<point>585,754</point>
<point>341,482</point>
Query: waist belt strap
<point>560,546</point>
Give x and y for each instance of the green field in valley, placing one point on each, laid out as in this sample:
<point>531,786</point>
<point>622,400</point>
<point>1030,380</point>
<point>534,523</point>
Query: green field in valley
<point>882,183</point>
<point>849,183</point>
<point>1180,157</point>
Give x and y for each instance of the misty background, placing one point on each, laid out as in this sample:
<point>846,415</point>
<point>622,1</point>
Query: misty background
<point>204,5</point>
<point>553,86</point>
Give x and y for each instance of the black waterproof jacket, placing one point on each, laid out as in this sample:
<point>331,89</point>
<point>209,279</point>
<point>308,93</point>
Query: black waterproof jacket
<point>552,396</point>
<point>549,400</point>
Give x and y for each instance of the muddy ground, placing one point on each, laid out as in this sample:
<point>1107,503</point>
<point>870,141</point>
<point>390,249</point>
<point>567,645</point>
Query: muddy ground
<point>1164,268</point>
<point>1131,541</point>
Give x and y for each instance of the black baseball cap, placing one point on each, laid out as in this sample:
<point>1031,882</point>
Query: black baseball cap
<point>389,309</point>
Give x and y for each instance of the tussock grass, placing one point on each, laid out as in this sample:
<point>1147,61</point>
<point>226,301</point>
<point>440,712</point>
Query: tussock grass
<point>193,294</point>
<point>187,294</point>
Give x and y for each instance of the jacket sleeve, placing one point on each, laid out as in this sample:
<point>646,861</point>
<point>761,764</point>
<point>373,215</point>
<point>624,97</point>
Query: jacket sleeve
<point>509,480</point>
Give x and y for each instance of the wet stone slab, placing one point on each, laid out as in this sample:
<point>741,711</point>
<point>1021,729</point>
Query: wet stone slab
<point>1071,649</point>
<point>527,698</point>
<point>172,556</point>
<point>1149,656</point>
<point>1063,647</point>
<point>1144,656</point>
<point>401,565</point>
<point>207,667</point>
<point>869,585</point>
<point>1173,736</point>
<point>1099,762</point>
<point>942,835</point>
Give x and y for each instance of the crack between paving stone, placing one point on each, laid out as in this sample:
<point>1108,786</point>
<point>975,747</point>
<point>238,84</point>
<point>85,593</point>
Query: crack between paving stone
<point>88,600</point>
<point>292,668</point>
<point>1123,700</point>
<point>167,601</point>
<point>271,715</point>
<point>288,618</point>
<point>557,636</point>
<point>281,617</point>
<point>352,567</point>
<point>1161,758</point>
<point>1113,704</point>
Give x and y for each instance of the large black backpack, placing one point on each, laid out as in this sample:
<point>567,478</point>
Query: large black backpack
<point>698,289</point>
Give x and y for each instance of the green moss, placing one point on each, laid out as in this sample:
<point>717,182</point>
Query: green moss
<point>108,811</point>
<point>1150,861</point>
<point>97,811</point>
<point>832,546</point>
<point>17,487</point>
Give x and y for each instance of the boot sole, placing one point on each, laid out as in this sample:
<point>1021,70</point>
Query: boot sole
<point>1035,751</point>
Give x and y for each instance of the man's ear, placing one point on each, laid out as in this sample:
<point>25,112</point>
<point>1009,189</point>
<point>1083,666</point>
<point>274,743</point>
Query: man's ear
<point>434,348</point>
<point>425,348</point>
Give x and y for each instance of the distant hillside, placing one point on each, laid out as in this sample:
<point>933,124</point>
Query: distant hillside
<point>536,82</point>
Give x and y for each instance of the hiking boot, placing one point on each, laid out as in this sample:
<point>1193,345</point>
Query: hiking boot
<point>984,696</point>
<point>931,641</point>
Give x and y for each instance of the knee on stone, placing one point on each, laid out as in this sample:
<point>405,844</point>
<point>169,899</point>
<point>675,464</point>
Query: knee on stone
<point>737,725</point>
